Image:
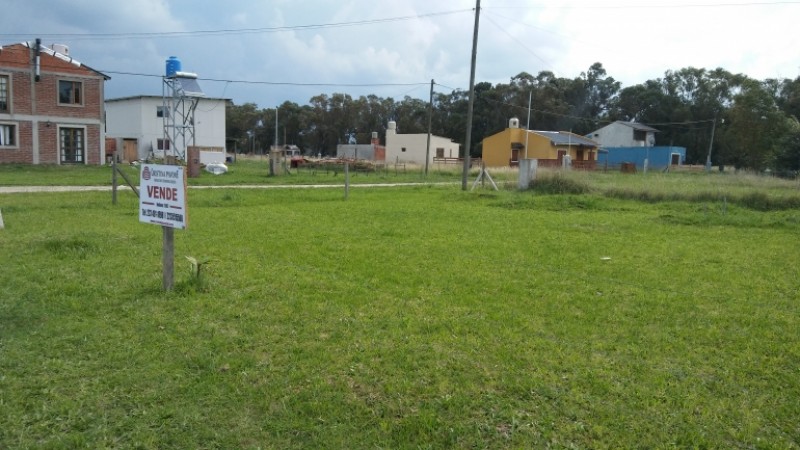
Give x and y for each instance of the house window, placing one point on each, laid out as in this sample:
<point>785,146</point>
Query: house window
<point>4,91</point>
<point>440,152</point>
<point>72,144</point>
<point>70,92</point>
<point>8,135</point>
<point>403,149</point>
<point>639,135</point>
<point>162,111</point>
<point>162,144</point>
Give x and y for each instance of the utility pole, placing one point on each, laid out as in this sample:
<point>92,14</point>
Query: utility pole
<point>272,155</point>
<point>711,144</point>
<point>430,118</point>
<point>468,140</point>
<point>528,126</point>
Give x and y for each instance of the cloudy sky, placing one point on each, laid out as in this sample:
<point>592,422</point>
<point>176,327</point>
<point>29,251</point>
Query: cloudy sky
<point>271,51</point>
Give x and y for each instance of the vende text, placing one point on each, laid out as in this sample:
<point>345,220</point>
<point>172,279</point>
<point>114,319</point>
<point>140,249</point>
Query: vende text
<point>162,192</point>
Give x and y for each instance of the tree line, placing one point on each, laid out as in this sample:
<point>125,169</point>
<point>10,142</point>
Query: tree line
<point>754,123</point>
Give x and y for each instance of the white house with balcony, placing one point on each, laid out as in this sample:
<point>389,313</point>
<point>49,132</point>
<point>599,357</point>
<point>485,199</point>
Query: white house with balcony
<point>137,125</point>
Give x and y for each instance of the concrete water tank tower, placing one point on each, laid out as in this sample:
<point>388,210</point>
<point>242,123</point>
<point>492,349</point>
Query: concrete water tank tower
<point>392,127</point>
<point>513,122</point>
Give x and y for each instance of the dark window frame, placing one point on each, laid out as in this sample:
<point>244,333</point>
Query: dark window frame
<point>5,93</point>
<point>70,92</point>
<point>72,145</point>
<point>12,136</point>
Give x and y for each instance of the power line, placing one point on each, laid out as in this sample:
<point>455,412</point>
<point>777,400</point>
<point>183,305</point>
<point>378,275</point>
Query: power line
<point>233,31</point>
<point>415,85</point>
<point>521,44</point>
<point>664,6</point>
<point>590,119</point>
<point>276,83</point>
<point>447,87</point>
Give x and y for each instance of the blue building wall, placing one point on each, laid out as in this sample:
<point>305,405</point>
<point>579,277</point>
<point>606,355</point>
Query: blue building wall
<point>660,157</point>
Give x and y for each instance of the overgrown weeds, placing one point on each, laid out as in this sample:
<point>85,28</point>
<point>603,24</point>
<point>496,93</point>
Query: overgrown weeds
<point>559,183</point>
<point>758,201</point>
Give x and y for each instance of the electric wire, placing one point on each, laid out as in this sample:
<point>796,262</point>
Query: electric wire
<point>232,31</point>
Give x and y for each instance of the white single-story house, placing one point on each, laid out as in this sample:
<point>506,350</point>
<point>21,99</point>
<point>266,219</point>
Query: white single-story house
<point>412,148</point>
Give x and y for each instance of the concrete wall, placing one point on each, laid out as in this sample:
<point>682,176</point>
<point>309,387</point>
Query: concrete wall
<point>356,151</point>
<point>659,157</point>
<point>411,148</point>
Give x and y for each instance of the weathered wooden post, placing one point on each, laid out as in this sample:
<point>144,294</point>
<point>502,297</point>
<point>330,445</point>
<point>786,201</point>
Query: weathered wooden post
<point>346,180</point>
<point>162,201</point>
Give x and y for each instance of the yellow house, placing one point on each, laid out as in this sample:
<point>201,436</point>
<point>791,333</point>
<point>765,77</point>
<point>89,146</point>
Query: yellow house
<point>507,147</point>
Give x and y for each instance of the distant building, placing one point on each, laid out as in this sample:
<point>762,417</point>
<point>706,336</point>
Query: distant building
<point>370,152</point>
<point>657,157</point>
<point>288,151</point>
<point>631,142</point>
<point>51,107</point>
<point>507,147</point>
<point>624,134</point>
<point>412,148</point>
<point>136,124</point>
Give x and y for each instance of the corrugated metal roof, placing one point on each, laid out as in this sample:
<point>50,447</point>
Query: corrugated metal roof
<point>566,138</point>
<point>638,126</point>
<point>158,97</point>
<point>68,59</point>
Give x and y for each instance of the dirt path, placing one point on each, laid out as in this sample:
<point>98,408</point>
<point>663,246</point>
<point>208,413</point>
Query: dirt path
<point>25,189</point>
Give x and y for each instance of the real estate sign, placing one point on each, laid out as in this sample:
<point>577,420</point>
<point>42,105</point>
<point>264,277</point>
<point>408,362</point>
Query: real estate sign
<point>162,195</point>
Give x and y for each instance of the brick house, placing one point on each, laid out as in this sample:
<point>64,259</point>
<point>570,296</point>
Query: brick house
<point>51,107</point>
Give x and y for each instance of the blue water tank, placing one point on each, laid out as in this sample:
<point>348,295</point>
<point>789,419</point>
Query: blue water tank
<point>173,65</point>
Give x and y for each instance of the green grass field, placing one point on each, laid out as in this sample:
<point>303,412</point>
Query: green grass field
<point>643,313</point>
<point>251,171</point>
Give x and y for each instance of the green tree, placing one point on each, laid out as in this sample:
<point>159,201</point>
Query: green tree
<point>755,128</point>
<point>240,123</point>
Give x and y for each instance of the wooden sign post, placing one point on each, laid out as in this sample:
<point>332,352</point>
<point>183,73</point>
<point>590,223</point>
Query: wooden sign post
<point>162,201</point>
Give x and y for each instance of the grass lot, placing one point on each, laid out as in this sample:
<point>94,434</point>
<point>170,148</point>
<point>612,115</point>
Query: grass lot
<point>413,317</point>
<point>243,172</point>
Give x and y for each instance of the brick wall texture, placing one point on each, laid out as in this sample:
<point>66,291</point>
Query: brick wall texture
<point>36,113</point>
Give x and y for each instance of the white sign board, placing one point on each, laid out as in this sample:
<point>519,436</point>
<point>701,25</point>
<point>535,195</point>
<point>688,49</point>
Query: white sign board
<point>162,195</point>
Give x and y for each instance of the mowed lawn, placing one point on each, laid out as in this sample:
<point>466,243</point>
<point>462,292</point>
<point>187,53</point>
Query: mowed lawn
<point>402,317</point>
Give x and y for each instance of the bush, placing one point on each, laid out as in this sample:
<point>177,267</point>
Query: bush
<point>558,183</point>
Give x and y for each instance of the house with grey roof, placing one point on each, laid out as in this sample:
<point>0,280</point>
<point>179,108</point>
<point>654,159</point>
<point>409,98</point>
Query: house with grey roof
<point>635,143</point>
<point>507,147</point>
<point>624,134</point>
